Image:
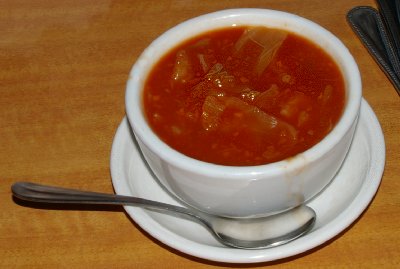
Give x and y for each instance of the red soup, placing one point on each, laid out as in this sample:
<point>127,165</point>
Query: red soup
<point>244,96</point>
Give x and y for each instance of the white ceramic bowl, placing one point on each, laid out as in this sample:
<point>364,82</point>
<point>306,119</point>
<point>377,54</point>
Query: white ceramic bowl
<point>252,190</point>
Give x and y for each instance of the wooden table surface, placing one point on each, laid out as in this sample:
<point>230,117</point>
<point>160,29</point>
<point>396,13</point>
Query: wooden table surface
<point>63,68</point>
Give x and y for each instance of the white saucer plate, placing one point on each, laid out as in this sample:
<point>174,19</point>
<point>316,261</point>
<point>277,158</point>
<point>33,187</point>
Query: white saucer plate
<point>337,206</point>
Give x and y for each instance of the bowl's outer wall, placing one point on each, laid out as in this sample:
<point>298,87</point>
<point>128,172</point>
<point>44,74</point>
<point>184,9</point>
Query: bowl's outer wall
<point>262,191</point>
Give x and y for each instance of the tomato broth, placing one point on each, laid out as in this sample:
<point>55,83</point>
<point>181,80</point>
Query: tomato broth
<point>243,96</point>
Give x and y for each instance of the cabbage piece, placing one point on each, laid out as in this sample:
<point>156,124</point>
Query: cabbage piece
<point>297,108</point>
<point>217,81</point>
<point>269,40</point>
<point>212,110</point>
<point>268,98</point>
<point>202,43</point>
<point>183,69</point>
<point>215,70</point>
<point>257,121</point>
<point>212,83</point>
<point>203,62</point>
<point>244,118</point>
<point>220,77</point>
<point>248,95</point>
<point>326,94</point>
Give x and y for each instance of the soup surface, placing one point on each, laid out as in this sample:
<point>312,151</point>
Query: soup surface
<point>244,96</point>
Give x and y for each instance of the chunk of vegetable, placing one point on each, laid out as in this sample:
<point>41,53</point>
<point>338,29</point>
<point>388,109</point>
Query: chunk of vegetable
<point>231,114</point>
<point>212,110</point>
<point>297,108</point>
<point>248,95</point>
<point>326,94</point>
<point>269,40</point>
<point>183,70</point>
<point>218,82</point>
<point>268,98</point>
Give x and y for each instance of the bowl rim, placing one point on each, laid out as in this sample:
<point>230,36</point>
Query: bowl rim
<point>225,18</point>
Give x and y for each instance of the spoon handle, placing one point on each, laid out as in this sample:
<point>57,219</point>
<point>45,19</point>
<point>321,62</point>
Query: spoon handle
<point>229,232</point>
<point>50,194</point>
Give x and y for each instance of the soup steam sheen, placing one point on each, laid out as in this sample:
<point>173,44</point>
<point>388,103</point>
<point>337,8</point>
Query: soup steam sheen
<point>244,96</point>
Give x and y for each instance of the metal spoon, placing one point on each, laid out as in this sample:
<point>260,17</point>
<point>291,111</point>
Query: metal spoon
<point>247,233</point>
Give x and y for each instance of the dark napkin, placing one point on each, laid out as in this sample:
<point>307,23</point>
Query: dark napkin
<point>389,10</point>
<point>373,31</point>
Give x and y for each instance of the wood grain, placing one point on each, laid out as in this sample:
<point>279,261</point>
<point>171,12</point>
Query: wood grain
<point>63,69</point>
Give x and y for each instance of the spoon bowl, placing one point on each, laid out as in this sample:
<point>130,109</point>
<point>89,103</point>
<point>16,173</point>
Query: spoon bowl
<point>245,233</point>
